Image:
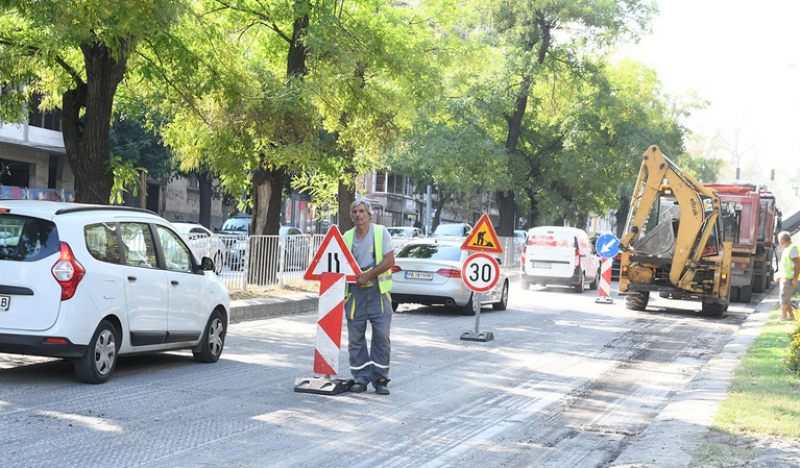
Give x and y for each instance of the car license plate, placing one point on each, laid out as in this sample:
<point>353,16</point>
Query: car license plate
<point>541,265</point>
<point>419,275</point>
<point>5,303</point>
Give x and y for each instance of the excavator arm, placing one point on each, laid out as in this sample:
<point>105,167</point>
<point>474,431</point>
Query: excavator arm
<point>699,208</point>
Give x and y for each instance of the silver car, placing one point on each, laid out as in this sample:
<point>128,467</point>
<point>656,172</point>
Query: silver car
<point>429,272</point>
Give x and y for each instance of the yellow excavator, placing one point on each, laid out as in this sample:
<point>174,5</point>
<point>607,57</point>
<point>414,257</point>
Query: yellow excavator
<point>673,241</point>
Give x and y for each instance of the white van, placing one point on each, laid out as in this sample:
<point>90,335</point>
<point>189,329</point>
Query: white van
<point>556,255</point>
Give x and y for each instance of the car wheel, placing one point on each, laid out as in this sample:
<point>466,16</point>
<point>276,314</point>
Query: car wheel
<point>471,307</point>
<point>503,299</point>
<point>714,309</point>
<point>745,294</point>
<point>100,359</point>
<point>210,347</point>
<point>395,305</point>
<point>578,288</point>
<point>596,283</point>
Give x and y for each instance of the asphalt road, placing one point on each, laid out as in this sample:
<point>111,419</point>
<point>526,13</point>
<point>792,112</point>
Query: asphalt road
<point>565,383</point>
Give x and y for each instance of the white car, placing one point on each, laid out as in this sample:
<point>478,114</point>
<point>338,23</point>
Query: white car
<point>89,283</point>
<point>402,235</point>
<point>557,255</point>
<point>429,272</point>
<point>204,242</point>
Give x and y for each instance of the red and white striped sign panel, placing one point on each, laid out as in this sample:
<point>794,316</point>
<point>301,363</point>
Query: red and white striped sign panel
<point>329,324</point>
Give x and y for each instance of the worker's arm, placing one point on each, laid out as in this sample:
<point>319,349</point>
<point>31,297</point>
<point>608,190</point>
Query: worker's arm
<point>796,270</point>
<point>386,263</point>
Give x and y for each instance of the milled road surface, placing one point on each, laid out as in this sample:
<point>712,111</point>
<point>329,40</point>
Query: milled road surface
<point>565,383</point>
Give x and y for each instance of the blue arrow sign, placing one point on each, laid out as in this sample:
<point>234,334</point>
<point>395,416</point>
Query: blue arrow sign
<point>607,246</point>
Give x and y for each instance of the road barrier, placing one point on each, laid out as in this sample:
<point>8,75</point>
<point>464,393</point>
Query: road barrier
<point>605,282</point>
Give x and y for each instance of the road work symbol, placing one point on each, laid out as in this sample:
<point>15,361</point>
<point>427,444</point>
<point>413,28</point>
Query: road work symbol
<point>605,282</point>
<point>483,238</point>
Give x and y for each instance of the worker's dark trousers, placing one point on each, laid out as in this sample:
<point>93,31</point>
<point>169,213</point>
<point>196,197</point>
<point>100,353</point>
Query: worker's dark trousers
<point>368,305</point>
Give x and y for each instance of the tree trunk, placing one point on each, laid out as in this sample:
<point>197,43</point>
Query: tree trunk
<point>267,190</point>
<point>347,195</point>
<point>583,221</point>
<point>533,211</point>
<point>205,182</point>
<point>86,138</point>
<point>440,200</point>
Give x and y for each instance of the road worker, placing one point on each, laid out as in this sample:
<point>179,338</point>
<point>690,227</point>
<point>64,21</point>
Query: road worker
<point>368,300</point>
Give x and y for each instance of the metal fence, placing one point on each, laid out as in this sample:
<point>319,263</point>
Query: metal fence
<point>256,262</point>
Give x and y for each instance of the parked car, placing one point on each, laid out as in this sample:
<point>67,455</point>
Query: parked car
<point>555,255</point>
<point>296,250</point>
<point>402,235</point>
<point>238,224</point>
<point>452,230</point>
<point>429,272</point>
<point>203,241</point>
<point>90,283</point>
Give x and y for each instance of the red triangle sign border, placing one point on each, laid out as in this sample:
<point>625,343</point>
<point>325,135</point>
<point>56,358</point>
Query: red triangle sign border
<point>333,233</point>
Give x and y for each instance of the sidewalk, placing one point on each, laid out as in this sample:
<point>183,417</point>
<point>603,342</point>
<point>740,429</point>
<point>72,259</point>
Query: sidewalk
<point>684,424</point>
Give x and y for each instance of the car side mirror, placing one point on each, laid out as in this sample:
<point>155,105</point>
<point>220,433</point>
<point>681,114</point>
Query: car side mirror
<point>499,261</point>
<point>207,264</point>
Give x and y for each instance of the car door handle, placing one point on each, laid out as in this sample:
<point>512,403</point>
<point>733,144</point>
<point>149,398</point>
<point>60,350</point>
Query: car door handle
<point>175,283</point>
<point>132,279</point>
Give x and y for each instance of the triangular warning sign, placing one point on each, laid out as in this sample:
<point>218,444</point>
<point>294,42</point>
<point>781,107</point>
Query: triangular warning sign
<point>333,256</point>
<point>483,238</point>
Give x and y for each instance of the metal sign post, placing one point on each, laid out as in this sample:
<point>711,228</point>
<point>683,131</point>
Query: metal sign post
<point>480,273</point>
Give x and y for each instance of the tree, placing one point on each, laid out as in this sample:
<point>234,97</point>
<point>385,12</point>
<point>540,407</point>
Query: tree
<point>76,54</point>
<point>533,35</point>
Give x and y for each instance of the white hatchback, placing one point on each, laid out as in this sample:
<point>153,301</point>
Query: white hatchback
<point>89,283</point>
<point>556,255</point>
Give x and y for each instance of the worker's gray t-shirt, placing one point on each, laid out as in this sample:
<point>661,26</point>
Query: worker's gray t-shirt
<point>364,249</point>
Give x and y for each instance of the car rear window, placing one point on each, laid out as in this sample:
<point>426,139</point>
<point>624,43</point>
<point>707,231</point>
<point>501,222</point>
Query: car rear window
<point>551,239</point>
<point>449,230</point>
<point>27,239</point>
<point>431,252</point>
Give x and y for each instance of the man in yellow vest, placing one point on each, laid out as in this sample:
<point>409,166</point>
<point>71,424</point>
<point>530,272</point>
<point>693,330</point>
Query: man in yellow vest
<point>368,300</point>
<point>788,273</point>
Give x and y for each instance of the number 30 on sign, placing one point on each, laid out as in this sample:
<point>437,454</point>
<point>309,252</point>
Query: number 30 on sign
<point>480,272</point>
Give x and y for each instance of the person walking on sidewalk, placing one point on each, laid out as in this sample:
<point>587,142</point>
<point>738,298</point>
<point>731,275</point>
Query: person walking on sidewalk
<point>790,269</point>
<point>368,300</point>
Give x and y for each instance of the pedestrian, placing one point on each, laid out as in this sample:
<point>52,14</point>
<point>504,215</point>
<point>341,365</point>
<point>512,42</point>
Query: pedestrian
<point>789,271</point>
<point>368,300</point>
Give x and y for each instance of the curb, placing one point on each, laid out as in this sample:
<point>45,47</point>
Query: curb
<point>270,307</point>
<point>672,437</point>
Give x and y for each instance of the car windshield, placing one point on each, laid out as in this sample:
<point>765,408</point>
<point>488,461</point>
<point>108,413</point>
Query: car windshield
<point>399,232</point>
<point>431,252</point>
<point>443,230</point>
<point>240,224</point>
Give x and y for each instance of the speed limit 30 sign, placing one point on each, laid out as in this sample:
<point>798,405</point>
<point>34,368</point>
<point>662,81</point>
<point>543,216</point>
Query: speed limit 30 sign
<point>480,272</point>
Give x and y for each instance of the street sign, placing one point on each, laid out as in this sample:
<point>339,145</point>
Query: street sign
<point>333,256</point>
<point>607,246</point>
<point>480,272</point>
<point>483,238</point>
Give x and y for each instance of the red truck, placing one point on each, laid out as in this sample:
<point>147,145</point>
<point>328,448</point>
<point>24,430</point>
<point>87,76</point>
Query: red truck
<point>749,218</point>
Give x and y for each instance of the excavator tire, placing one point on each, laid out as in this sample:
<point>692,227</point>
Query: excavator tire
<point>714,309</point>
<point>637,300</point>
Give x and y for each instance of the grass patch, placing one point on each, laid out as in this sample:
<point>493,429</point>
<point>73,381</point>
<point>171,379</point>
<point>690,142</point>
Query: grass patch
<point>764,397</point>
<point>273,292</point>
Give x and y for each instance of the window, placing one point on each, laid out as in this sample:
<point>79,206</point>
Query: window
<point>380,182</point>
<point>137,242</point>
<point>27,239</point>
<point>176,254</point>
<point>102,242</point>
<point>50,120</point>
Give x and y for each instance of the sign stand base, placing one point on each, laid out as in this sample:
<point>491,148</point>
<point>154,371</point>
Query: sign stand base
<point>322,385</point>
<point>477,336</point>
<point>604,300</point>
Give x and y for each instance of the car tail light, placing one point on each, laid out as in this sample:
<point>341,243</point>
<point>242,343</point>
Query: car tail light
<point>524,251</point>
<point>68,272</point>
<point>396,268</point>
<point>5,210</point>
<point>449,272</point>
<point>623,271</point>
<point>724,278</point>
<point>577,257</point>
<point>618,257</point>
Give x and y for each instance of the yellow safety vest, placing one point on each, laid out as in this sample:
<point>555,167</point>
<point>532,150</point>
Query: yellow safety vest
<point>385,278</point>
<point>788,263</point>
